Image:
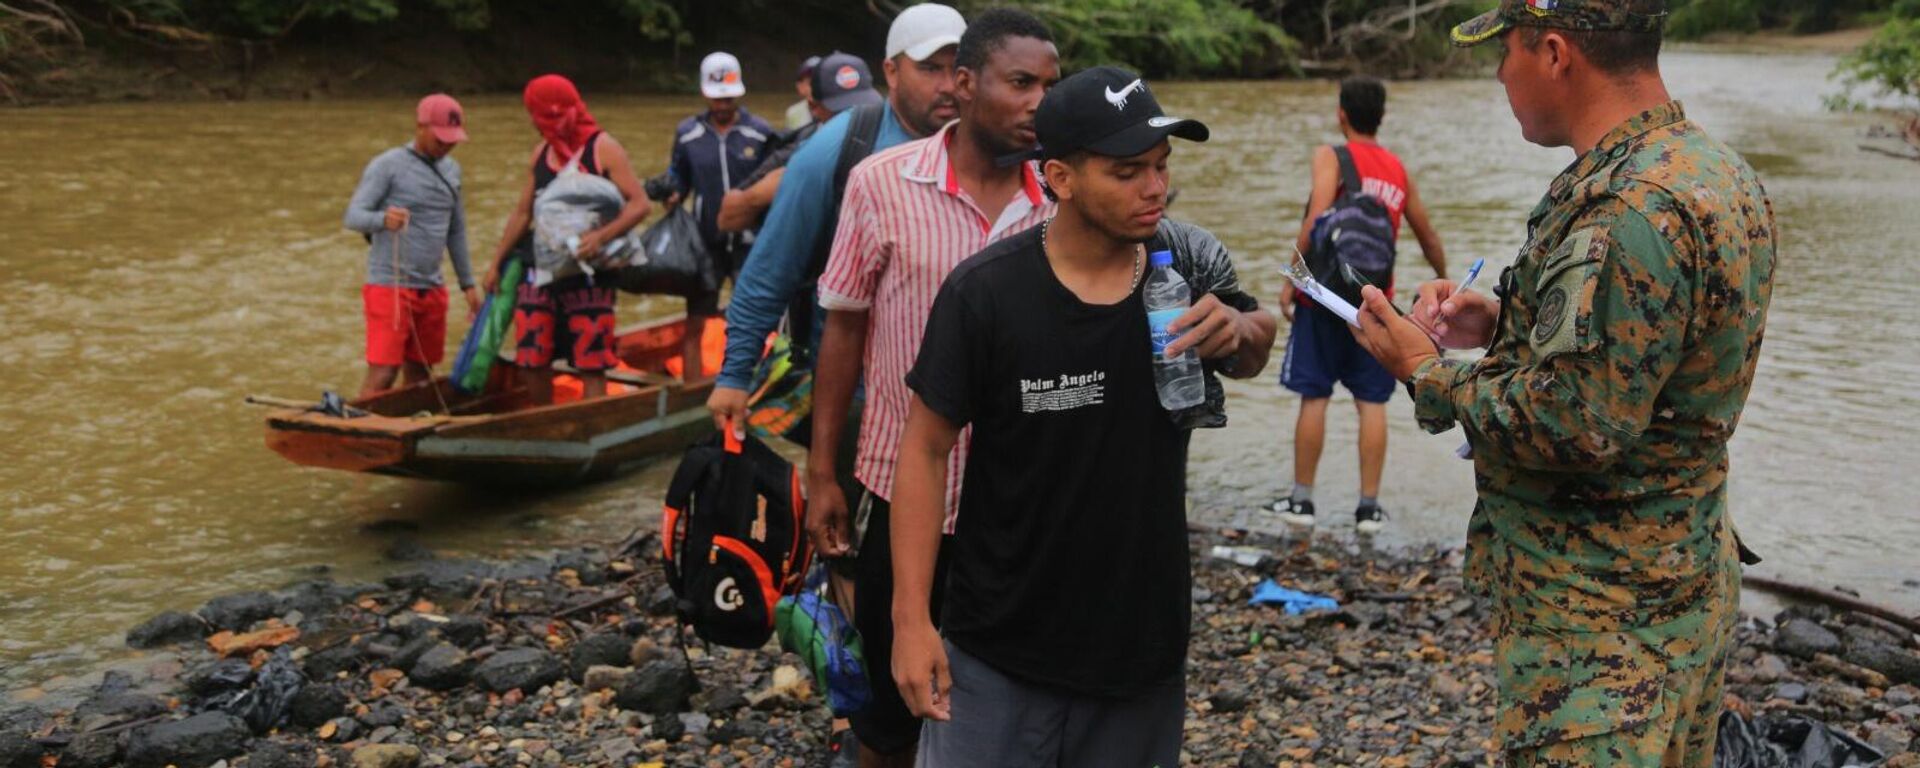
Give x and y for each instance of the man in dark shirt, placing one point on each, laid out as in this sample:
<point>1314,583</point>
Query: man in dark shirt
<point>1068,593</point>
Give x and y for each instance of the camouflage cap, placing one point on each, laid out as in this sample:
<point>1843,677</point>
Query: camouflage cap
<point>1561,14</point>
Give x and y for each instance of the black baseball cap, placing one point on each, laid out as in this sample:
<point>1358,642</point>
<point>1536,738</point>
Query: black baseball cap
<point>807,67</point>
<point>842,81</point>
<point>1107,111</point>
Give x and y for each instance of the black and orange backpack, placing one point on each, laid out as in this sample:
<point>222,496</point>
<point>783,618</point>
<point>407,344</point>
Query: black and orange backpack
<point>732,538</point>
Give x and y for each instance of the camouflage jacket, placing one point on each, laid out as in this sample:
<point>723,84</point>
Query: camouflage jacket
<point>1600,415</point>
<point>1629,328</point>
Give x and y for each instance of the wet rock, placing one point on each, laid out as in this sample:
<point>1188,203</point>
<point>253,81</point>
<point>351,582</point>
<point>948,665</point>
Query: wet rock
<point>386,756</point>
<point>644,652</point>
<point>602,678</point>
<point>600,649</point>
<point>317,596</point>
<point>668,728</point>
<point>17,750</point>
<point>525,669</point>
<point>91,750</point>
<point>385,715</point>
<point>725,700</point>
<point>465,630</point>
<point>1769,668</point>
<point>737,729</point>
<point>108,709</point>
<point>1902,667</point>
<point>442,576</point>
<point>273,754</point>
<point>1228,701</point>
<point>239,611</point>
<point>329,663</point>
<point>196,741</point>
<point>662,687</point>
<point>408,655</point>
<point>1793,692</point>
<point>314,705</point>
<point>168,628</point>
<point>1254,758</point>
<point>662,602</point>
<point>591,567</point>
<point>443,667</point>
<point>221,675</point>
<point>1804,639</point>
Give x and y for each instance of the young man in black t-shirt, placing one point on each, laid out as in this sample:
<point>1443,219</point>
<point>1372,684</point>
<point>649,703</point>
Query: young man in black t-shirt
<point>1068,592</point>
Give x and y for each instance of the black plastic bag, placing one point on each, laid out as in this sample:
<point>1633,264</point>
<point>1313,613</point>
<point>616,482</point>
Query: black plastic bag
<point>673,259</point>
<point>1787,741</point>
<point>264,706</point>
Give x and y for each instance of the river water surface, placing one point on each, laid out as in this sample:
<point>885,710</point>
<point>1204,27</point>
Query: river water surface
<point>163,261</point>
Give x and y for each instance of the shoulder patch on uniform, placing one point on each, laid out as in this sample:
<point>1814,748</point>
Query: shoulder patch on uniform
<point>1564,293</point>
<point>749,132</point>
<point>693,135</point>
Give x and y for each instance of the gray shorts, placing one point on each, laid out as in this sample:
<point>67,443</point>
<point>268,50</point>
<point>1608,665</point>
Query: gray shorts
<point>999,722</point>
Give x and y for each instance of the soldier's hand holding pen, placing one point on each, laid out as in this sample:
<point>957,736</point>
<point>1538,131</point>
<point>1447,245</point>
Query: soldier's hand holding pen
<point>1455,318</point>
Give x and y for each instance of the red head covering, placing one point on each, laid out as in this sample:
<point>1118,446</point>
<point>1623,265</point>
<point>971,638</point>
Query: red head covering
<point>559,114</point>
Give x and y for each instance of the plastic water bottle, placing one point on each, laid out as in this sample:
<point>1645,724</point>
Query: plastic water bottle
<point>1178,379</point>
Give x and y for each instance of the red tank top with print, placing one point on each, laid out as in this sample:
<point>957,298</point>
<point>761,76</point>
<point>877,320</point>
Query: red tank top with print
<point>1381,176</point>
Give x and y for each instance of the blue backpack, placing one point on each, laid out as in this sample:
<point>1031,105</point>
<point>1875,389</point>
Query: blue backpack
<point>1355,233</point>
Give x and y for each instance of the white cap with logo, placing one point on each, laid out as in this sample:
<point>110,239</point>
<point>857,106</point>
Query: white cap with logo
<point>922,30</point>
<point>720,77</point>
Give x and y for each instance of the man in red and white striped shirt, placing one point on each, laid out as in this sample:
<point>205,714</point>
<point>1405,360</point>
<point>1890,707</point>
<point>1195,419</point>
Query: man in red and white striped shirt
<point>910,215</point>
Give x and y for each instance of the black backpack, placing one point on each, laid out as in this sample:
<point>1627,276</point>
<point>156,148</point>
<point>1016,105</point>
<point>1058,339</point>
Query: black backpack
<point>732,538</point>
<point>1354,235</point>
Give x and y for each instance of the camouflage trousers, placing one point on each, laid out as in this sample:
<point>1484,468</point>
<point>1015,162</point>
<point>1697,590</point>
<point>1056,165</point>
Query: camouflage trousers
<point>1638,698</point>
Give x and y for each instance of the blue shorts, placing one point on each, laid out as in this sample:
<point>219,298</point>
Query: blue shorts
<point>1321,350</point>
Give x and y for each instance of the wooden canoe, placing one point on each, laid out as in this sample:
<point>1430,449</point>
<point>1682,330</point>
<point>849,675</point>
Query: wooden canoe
<point>499,438</point>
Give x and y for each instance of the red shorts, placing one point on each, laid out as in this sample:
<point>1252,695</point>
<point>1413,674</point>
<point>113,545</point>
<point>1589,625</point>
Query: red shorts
<point>417,334</point>
<point>570,316</point>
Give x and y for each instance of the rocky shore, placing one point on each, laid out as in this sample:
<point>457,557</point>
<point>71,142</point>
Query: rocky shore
<point>575,660</point>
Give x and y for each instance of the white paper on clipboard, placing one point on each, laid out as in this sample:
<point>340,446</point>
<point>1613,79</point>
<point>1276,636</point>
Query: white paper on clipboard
<point>1326,298</point>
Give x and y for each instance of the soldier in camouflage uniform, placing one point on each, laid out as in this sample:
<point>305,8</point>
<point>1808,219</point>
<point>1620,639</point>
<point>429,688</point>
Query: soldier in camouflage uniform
<point>1619,356</point>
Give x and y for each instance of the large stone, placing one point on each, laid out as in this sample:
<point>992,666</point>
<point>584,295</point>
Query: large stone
<point>239,611</point>
<point>600,649</point>
<point>410,654</point>
<point>1900,666</point>
<point>221,675</point>
<point>1804,639</point>
<point>327,664</point>
<point>18,750</point>
<point>443,667</point>
<point>273,754</point>
<point>91,750</point>
<point>109,709</point>
<point>442,576</point>
<point>314,705</point>
<point>465,630</point>
<point>386,756</point>
<point>601,678</point>
<point>168,628</point>
<point>195,742</point>
<point>525,669</point>
<point>662,687</point>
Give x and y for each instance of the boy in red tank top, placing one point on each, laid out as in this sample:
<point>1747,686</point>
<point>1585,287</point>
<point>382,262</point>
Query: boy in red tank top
<point>1320,349</point>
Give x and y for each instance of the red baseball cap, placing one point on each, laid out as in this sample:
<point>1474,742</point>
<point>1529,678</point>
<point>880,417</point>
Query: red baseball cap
<point>440,112</point>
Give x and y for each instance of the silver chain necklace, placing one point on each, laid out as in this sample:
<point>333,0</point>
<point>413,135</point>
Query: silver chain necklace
<point>1139,256</point>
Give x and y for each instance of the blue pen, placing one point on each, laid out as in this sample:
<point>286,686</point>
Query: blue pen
<point>1473,272</point>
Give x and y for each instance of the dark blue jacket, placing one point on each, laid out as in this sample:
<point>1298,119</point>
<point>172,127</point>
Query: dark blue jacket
<point>698,163</point>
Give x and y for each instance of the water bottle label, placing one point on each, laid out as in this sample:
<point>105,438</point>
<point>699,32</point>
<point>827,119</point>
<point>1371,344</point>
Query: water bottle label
<point>1157,322</point>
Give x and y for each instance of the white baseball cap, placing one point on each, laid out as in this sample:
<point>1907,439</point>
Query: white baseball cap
<point>922,30</point>
<point>720,77</point>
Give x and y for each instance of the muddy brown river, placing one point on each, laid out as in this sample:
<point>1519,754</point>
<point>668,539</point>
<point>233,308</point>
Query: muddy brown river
<point>163,261</point>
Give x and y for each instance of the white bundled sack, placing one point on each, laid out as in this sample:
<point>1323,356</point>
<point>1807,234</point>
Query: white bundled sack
<point>573,204</point>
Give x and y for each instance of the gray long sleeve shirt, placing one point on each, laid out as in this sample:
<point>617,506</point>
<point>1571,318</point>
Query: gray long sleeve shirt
<point>401,177</point>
